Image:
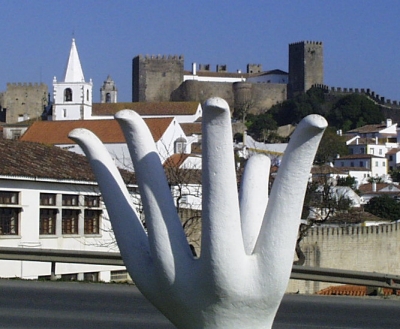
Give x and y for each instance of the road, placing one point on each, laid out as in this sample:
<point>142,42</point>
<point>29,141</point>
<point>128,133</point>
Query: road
<point>74,305</point>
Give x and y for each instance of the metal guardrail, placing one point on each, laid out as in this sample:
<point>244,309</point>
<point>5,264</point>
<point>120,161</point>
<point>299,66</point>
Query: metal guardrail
<point>53,256</point>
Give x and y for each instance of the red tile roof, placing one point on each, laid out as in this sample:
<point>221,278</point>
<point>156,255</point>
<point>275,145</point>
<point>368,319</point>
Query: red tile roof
<point>147,108</point>
<point>193,128</point>
<point>34,160</point>
<point>350,290</point>
<point>369,129</point>
<point>109,131</point>
<point>359,156</point>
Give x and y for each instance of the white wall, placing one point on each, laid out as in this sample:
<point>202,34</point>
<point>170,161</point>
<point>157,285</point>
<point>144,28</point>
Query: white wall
<point>28,235</point>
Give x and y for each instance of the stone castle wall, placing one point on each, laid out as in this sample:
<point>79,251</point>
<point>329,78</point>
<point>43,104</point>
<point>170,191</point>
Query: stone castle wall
<point>370,249</point>
<point>306,66</point>
<point>390,108</point>
<point>23,101</point>
<point>154,78</point>
<point>261,95</point>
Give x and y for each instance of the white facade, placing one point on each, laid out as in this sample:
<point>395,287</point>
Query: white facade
<point>53,214</point>
<point>72,97</point>
<point>375,164</point>
<point>173,140</point>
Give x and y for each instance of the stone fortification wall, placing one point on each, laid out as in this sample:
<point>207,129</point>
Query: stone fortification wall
<point>370,249</point>
<point>200,91</point>
<point>155,77</point>
<point>24,101</point>
<point>261,95</point>
<point>390,108</point>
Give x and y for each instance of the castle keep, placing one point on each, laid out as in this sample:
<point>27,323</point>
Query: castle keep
<point>22,101</point>
<point>163,78</point>
<point>306,66</point>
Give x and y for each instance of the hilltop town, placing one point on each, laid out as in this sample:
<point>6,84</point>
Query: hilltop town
<point>47,200</point>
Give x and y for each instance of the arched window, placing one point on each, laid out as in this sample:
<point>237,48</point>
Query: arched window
<point>180,145</point>
<point>108,98</point>
<point>87,95</point>
<point>68,95</point>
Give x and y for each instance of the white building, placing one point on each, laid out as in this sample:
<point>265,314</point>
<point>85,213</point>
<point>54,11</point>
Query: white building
<point>72,97</point>
<point>376,165</point>
<point>167,133</point>
<point>49,199</point>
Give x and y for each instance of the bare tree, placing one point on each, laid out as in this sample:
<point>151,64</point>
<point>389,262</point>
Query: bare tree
<point>323,204</point>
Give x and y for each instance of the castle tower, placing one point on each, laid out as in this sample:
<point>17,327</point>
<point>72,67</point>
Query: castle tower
<point>72,98</point>
<point>109,91</point>
<point>306,66</point>
<point>154,78</point>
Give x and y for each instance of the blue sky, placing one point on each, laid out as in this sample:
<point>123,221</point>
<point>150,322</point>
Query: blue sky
<point>361,38</point>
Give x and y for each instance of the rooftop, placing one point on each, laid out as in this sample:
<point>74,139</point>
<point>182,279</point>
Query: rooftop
<point>109,131</point>
<point>147,108</point>
<point>34,160</point>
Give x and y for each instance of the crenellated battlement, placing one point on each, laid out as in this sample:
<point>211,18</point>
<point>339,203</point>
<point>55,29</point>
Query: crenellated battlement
<point>365,91</point>
<point>307,42</point>
<point>162,57</point>
<point>353,230</point>
<point>25,84</point>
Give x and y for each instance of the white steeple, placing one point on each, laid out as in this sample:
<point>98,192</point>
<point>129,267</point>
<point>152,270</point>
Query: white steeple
<point>72,98</point>
<point>73,71</point>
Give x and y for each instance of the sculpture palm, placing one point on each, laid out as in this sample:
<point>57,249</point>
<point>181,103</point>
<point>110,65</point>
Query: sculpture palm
<point>247,241</point>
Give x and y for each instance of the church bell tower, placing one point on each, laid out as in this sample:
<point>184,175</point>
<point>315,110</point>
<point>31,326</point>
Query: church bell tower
<point>72,97</point>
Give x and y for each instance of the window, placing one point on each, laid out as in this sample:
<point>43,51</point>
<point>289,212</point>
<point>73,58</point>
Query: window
<point>362,150</point>
<point>108,98</point>
<point>47,199</point>
<point>376,164</point>
<point>9,221</point>
<point>8,197</point>
<point>371,151</point>
<point>9,216</point>
<point>71,200</point>
<point>92,201</point>
<point>68,95</point>
<point>352,164</point>
<point>342,163</point>
<point>70,221</point>
<point>380,151</point>
<point>383,163</point>
<point>390,157</point>
<point>361,163</point>
<point>87,95</point>
<point>92,221</point>
<point>180,145</point>
<point>47,223</point>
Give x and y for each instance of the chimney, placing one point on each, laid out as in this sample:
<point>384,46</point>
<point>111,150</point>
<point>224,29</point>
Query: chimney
<point>374,186</point>
<point>388,122</point>
<point>194,69</point>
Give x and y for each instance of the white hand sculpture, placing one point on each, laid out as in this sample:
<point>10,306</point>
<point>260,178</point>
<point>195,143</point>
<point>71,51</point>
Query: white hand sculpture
<point>247,246</point>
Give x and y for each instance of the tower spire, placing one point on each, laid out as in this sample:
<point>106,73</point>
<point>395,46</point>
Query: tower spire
<point>73,71</point>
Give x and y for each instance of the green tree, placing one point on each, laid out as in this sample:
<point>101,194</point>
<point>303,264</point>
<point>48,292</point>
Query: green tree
<point>331,145</point>
<point>384,206</point>
<point>293,110</point>
<point>347,181</point>
<point>395,175</point>
<point>322,204</point>
<point>354,111</point>
<point>260,126</point>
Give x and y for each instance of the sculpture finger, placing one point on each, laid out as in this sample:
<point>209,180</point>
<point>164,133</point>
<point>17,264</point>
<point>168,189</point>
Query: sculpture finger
<point>253,198</point>
<point>168,243</point>
<point>129,232</point>
<point>281,221</point>
<point>221,231</point>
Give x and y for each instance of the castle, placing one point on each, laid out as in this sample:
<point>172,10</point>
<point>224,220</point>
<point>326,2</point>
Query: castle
<point>163,78</point>
<point>23,101</point>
